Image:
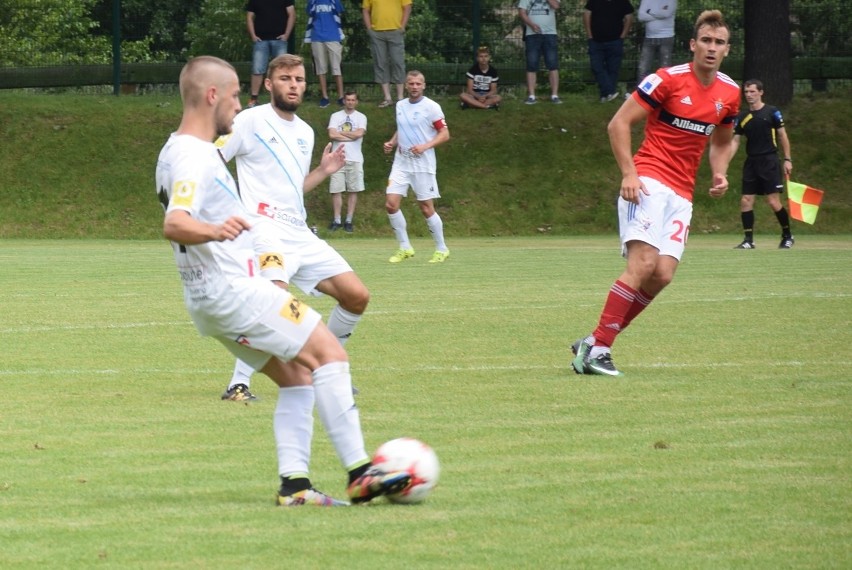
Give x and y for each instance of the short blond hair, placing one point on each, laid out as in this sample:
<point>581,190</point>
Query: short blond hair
<point>198,74</point>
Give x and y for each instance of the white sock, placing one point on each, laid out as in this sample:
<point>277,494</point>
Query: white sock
<point>341,323</point>
<point>397,222</point>
<point>293,423</point>
<point>242,374</point>
<point>338,413</point>
<point>436,226</point>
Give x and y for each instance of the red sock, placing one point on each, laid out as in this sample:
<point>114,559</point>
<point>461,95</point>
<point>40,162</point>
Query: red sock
<point>641,301</point>
<point>615,311</point>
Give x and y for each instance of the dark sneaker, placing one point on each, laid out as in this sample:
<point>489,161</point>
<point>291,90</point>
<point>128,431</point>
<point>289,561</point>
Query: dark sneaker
<point>334,226</point>
<point>581,350</point>
<point>463,105</point>
<point>745,245</point>
<point>602,365</point>
<point>787,242</point>
<point>238,393</point>
<point>309,497</point>
<point>348,228</point>
<point>323,103</point>
<point>375,483</point>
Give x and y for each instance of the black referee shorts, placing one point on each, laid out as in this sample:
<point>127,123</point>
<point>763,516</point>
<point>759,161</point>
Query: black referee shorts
<point>762,175</point>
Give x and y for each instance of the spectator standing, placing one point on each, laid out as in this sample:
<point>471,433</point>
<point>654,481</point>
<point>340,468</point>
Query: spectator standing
<point>540,40</point>
<point>270,24</point>
<point>324,31</point>
<point>482,78</point>
<point>385,21</point>
<point>607,23</point>
<point>763,127</point>
<point>659,19</point>
<point>347,127</point>
<point>420,127</point>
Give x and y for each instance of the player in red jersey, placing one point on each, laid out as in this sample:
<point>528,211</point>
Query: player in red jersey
<point>683,107</point>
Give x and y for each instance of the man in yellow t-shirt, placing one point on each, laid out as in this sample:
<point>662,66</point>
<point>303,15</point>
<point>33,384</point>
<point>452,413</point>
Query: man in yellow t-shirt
<point>385,21</point>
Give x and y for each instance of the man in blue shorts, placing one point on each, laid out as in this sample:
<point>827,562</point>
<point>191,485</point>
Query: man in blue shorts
<point>540,40</point>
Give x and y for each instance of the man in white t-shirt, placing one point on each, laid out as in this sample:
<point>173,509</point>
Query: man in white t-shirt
<point>348,127</point>
<point>420,127</point>
<point>233,278</point>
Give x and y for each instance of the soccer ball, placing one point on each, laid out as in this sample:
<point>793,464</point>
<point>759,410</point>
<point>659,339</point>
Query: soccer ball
<point>415,458</point>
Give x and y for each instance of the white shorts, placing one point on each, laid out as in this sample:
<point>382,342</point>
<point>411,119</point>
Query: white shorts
<point>349,178</point>
<point>424,184</point>
<point>310,261</point>
<point>281,331</point>
<point>661,219</point>
<point>325,53</point>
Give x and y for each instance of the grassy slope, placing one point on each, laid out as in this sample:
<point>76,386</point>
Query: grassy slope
<point>82,166</point>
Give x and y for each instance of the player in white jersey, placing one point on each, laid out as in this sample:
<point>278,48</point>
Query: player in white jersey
<point>220,248</point>
<point>420,127</point>
<point>273,149</point>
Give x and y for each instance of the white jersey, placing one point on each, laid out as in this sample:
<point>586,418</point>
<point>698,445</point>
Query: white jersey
<point>268,148</point>
<point>416,124</point>
<point>221,290</point>
<point>346,123</point>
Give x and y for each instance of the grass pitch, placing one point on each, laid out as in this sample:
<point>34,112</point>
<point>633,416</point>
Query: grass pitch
<point>726,445</point>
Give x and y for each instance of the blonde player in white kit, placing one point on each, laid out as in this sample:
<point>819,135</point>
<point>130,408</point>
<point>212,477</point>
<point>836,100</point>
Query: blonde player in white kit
<point>233,278</point>
<point>420,127</point>
<point>273,147</point>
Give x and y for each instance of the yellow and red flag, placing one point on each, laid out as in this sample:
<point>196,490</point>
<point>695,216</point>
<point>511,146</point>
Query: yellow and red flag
<point>804,201</point>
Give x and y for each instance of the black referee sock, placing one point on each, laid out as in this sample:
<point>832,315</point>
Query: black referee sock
<point>784,220</point>
<point>748,225</point>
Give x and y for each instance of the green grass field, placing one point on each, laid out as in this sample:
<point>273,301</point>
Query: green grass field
<point>726,445</point>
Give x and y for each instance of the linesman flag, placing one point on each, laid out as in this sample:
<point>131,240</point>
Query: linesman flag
<point>804,201</point>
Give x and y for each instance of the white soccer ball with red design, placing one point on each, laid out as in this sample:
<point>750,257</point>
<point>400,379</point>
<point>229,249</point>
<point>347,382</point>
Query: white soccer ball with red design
<point>415,458</point>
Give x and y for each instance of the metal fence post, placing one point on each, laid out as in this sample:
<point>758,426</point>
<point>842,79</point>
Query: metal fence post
<point>116,47</point>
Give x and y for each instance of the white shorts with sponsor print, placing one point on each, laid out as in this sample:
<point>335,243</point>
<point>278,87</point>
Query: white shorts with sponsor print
<point>350,178</point>
<point>309,261</point>
<point>424,184</point>
<point>281,331</point>
<point>661,219</point>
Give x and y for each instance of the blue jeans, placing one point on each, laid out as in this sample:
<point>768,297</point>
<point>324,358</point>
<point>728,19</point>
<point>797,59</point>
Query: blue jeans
<point>538,45</point>
<point>263,51</point>
<point>605,58</point>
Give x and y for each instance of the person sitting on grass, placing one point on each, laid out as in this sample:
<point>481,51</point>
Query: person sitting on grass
<point>482,78</point>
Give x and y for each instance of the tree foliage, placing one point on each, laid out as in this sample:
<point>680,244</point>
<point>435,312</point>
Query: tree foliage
<point>57,32</point>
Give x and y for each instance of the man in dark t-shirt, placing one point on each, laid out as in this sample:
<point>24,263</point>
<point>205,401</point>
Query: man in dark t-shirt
<point>270,24</point>
<point>763,127</point>
<point>481,89</point>
<point>607,23</point>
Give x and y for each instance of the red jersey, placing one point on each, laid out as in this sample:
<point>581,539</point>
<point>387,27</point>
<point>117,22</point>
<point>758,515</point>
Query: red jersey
<point>684,113</point>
